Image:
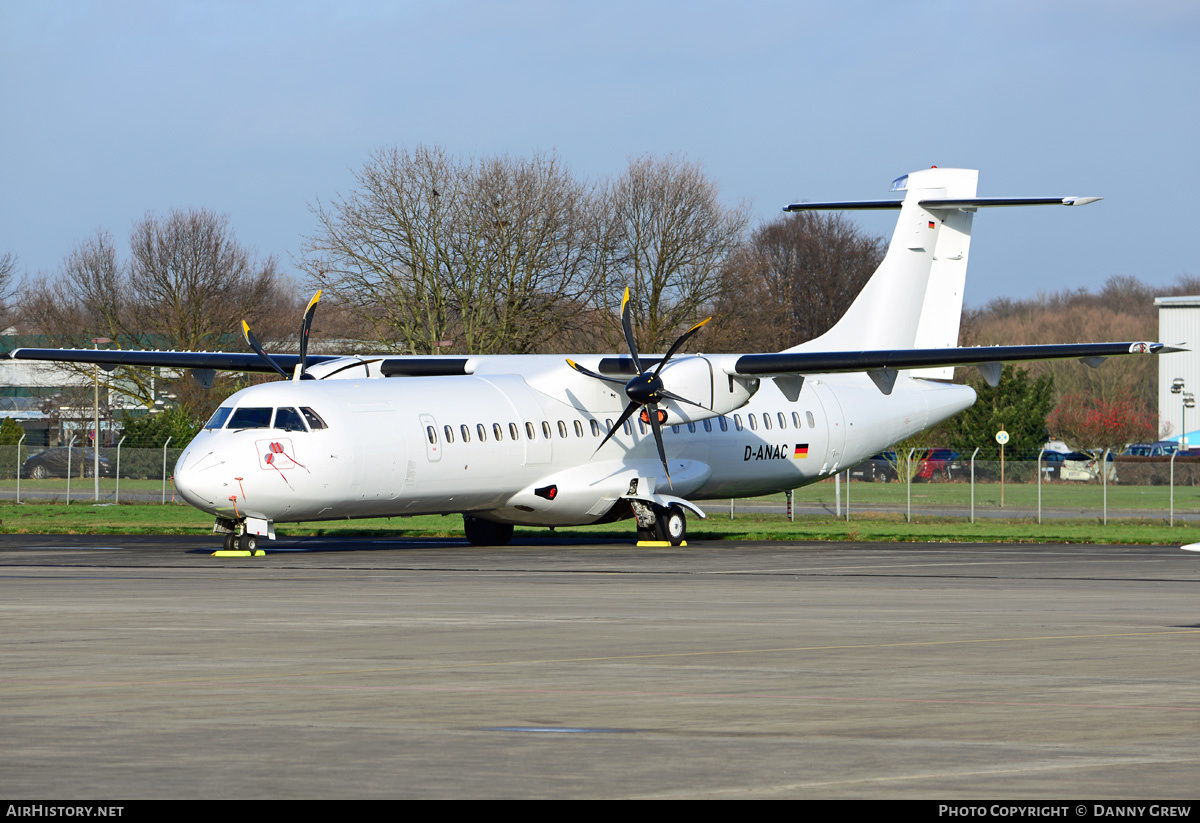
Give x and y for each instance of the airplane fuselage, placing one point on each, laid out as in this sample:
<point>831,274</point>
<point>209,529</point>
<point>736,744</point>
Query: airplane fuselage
<point>492,445</point>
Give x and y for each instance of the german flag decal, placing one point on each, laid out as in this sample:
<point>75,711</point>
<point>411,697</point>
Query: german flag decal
<point>932,225</point>
<point>801,451</point>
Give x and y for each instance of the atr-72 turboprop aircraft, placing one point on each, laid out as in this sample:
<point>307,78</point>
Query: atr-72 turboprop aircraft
<point>557,441</point>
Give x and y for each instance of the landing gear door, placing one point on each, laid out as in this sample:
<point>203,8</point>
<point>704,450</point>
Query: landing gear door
<point>835,421</point>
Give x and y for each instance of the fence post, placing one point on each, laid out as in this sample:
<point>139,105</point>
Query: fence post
<point>791,509</point>
<point>1039,471</point>
<point>1171,521</point>
<point>117,492</point>
<point>908,475</point>
<point>1104,482</point>
<point>19,442</point>
<point>70,449</point>
<point>731,508</point>
<point>973,483</point>
<point>164,493</point>
<point>847,495</point>
<point>837,495</point>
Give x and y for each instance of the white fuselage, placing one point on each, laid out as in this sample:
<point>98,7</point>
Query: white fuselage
<point>487,443</point>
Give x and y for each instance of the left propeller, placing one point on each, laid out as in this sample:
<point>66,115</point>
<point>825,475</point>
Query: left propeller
<point>646,389</point>
<point>301,372</point>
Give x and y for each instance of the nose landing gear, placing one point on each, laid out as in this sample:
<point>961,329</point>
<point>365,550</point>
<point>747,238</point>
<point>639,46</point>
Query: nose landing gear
<point>238,541</point>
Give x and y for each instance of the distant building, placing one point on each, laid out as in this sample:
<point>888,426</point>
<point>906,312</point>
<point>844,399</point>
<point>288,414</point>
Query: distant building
<point>1179,322</point>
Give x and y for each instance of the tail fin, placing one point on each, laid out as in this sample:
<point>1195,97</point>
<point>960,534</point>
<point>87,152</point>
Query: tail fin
<point>914,299</point>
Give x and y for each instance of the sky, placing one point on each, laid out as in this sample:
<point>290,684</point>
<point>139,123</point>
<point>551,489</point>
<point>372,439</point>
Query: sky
<point>113,110</point>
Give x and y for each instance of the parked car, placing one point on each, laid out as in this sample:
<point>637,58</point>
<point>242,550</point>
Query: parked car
<point>1161,448</point>
<point>878,468</point>
<point>53,463</point>
<point>938,464</point>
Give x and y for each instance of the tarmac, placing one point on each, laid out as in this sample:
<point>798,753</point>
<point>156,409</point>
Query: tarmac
<point>142,667</point>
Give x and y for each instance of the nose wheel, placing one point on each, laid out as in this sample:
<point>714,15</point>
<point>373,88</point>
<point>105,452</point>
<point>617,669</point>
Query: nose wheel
<point>245,542</point>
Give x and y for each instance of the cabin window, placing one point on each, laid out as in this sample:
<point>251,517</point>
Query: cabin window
<point>724,424</point>
<point>641,426</point>
<point>481,430</point>
<point>737,422</point>
<point>449,431</point>
<point>628,428</point>
<point>530,432</point>
<point>465,431</point>
<point>545,429</point>
<point>796,420</point>
<point>497,432</point>
<point>692,428</point>
<point>708,425</point>
<point>513,431</point>
<point>812,421</point>
<point>562,429</point>
<point>595,428</point>
<point>219,417</point>
<point>675,428</point>
<point>753,422</point>
<point>288,420</point>
<point>578,429</point>
<point>251,418</point>
<point>314,420</point>
<point>431,434</point>
<point>782,421</point>
<point>767,421</point>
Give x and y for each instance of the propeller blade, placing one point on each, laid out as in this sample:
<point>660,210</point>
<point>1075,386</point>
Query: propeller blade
<point>670,395</point>
<point>305,326</point>
<point>258,349</point>
<point>627,325</point>
<point>658,441</point>
<point>588,372</point>
<point>683,338</point>
<point>625,415</point>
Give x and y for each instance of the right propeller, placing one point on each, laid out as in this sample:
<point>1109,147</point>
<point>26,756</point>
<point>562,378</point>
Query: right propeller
<point>646,388</point>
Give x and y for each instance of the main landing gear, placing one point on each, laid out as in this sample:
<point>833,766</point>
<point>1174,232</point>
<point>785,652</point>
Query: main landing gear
<point>658,525</point>
<point>245,543</point>
<point>486,533</point>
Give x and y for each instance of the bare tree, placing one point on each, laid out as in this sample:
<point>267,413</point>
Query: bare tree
<point>188,284</point>
<point>8,287</point>
<point>794,279</point>
<point>493,255</point>
<point>667,236</point>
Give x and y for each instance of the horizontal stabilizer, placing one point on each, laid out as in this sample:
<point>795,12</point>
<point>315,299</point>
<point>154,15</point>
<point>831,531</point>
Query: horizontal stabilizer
<point>943,203</point>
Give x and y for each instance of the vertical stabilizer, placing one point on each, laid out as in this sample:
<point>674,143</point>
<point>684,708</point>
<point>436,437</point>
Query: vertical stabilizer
<point>914,299</point>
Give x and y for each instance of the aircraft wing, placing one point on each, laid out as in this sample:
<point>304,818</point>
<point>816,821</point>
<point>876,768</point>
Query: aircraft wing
<point>818,362</point>
<point>218,361</point>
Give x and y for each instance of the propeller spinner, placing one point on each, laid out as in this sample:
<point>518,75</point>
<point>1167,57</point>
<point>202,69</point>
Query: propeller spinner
<point>646,389</point>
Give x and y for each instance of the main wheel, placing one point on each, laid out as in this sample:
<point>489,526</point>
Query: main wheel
<point>482,532</point>
<point>671,525</point>
<point>230,542</point>
<point>248,542</point>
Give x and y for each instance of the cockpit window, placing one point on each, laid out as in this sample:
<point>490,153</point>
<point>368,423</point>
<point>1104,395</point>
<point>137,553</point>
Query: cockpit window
<point>219,417</point>
<point>251,417</point>
<point>314,420</point>
<point>288,420</point>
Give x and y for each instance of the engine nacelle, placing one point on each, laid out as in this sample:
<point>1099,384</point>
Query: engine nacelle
<point>698,379</point>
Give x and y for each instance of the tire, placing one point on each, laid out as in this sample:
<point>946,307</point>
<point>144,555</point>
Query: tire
<point>248,542</point>
<point>482,532</point>
<point>39,472</point>
<point>230,542</point>
<point>671,525</point>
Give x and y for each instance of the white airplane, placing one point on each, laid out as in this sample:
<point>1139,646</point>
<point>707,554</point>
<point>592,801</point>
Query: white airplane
<point>548,440</point>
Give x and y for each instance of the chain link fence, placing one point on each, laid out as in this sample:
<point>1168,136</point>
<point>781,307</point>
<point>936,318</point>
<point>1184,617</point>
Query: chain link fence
<point>68,473</point>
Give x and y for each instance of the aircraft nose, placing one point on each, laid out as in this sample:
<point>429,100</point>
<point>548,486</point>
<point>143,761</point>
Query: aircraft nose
<point>198,480</point>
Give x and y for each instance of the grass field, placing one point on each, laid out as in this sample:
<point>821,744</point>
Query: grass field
<point>84,518</point>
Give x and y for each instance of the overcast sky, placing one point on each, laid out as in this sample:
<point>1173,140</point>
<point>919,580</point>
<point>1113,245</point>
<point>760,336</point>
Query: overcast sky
<point>114,109</point>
